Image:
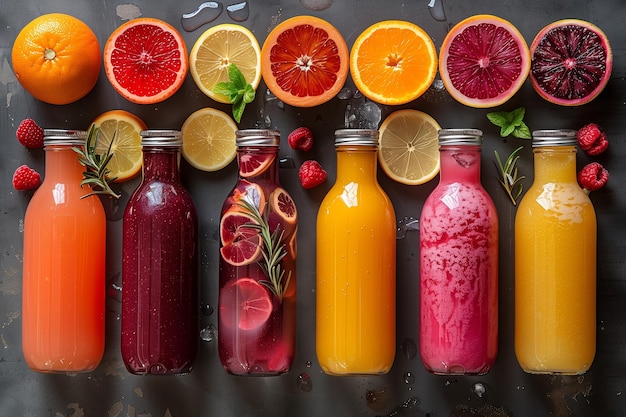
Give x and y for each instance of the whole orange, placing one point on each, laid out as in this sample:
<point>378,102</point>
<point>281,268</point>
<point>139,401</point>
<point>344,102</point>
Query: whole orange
<point>56,58</point>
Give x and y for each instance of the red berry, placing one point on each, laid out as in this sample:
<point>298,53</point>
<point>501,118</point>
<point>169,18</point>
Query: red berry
<point>311,174</point>
<point>26,178</point>
<point>301,139</point>
<point>592,139</point>
<point>593,176</point>
<point>30,134</point>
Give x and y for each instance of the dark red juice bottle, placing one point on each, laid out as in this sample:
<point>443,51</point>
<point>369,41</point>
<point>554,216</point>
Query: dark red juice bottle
<point>160,265</point>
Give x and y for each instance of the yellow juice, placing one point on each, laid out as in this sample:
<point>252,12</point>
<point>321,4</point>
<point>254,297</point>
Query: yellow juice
<point>555,270</point>
<point>356,288</point>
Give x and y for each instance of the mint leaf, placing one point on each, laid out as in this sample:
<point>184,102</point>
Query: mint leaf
<point>507,130</point>
<point>498,118</point>
<point>238,107</point>
<point>238,91</point>
<point>522,132</point>
<point>510,123</point>
<point>517,116</point>
<point>236,77</point>
<point>249,94</point>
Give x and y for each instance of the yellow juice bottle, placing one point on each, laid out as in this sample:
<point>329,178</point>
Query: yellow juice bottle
<point>555,264</point>
<point>356,264</point>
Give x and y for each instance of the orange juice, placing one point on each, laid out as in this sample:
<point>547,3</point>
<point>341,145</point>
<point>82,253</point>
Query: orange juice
<point>356,255</point>
<point>555,267</point>
<point>64,266</point>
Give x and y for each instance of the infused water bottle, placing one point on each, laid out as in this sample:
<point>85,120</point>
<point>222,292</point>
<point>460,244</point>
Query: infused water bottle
<point>459,263</point>
<point>63,292</point>
<point>257,264</point>
<point>356,264</point>
<point>160,332</point>
<point>555,263</point>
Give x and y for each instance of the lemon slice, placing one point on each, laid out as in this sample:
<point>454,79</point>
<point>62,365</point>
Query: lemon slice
<point>217,48</point>
<point>408,147</point>
<point>209,139</point>
<point>123,129</point>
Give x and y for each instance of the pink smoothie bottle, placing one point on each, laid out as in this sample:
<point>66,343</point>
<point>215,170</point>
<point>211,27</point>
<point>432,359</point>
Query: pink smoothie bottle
<point>459,263</point>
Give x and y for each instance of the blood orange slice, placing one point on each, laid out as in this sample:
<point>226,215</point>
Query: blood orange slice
<point>244,304</point>
<point>484,60</point>
<point>145,60</point>
<point>241,243</point>
<point>283,204</point>
<point>304,61</point>
<point>571,62</point>
<point>253,164</point>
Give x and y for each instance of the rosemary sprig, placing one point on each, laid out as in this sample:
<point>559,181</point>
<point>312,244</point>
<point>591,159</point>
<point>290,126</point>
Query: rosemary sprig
<point>96,172</point>
<point>509,180</point>
<point>273,250</point>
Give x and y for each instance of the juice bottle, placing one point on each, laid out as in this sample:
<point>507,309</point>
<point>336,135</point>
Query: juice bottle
<point>459,263</point>
<point>555,263</point>
<point>63,292</point>
<point>356,264</point>
<point>160,265</point>
<point>257,264</point>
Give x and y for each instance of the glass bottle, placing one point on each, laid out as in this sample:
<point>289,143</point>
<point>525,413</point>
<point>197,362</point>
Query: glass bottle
<point>257,264</point>
<point>459,263</point>
<point>555,263</point>
<point>63,293</point>
<point>356,264</point>
<point>160,265</point>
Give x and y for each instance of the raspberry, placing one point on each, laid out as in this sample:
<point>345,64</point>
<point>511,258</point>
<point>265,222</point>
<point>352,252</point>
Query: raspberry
<point>26,178</point>
<point>30,134</point>
<point>592,139</point>
<point>593,176</point>
<point>311,174</point>
<point>301,139</point>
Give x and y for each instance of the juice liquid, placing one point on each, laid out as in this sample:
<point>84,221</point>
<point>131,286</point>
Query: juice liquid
<point>356,271</point>
<point>64,271</point>
<point>458,271</point>
<point>555,270</point>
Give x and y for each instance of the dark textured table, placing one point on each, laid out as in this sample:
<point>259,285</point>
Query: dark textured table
<point>305,391</point>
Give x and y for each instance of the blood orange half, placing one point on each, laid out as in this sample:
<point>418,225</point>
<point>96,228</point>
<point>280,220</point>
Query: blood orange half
<point>145,60</point>
<point>241,243</point>
<point>304,61</point>
<point>253,164</point>
<point>571,62</point>
<point>484,60</point>
<point>244,304</point>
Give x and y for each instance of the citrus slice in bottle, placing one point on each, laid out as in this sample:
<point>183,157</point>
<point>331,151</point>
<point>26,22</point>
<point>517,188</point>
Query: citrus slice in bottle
<point>217,48</point>
<point>209,139</point>
<point>484,60</point>
<point>304,61</point>
<point>393,62</point>
<point>251,165</point>
<point>124,130</point>
<point>241,243</point>
<point>408,147</point>
<point>244,304</point>
<point>145,60</point>
<point>283,204</point>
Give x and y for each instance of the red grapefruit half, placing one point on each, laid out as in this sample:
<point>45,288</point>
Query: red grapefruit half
<point>244,304</point>
<point>571,62</point>
<point>145,60</point>
<point>484,60</point>
<point>304,61</point>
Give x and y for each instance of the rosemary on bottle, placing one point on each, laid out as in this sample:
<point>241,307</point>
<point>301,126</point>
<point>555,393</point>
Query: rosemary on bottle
<point>96,172</point>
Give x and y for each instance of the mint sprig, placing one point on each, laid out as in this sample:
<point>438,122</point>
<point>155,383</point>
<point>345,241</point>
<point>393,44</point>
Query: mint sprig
<point>238,91</point>
<point>511,123</point>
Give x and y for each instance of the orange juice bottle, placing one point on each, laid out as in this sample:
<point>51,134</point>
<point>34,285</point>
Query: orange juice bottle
<point>555,263</point>
<point>356,264</point>
<point>63,292</point>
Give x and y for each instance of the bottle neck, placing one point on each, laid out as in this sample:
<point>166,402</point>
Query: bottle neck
<point>356,163</point>
<point>62,164</point>
<point>460,163</point>
<point>161,164</point>
<point>555,164</point>
<point>262,159</point>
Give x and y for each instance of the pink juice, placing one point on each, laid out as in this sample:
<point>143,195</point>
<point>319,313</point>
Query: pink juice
<point>458,269</point>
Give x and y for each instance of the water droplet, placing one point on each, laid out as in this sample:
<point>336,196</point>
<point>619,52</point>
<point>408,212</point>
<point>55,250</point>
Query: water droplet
<point>377,400</point>
<point>317,5</point>
<point>207,309</point>
<point>409,378</point>
<point>304,382</point>
<point>209,333</point>
<point>239,12</point>
<point>308,364</point>
<point>345,93</point>
<point>479,389</point>
<point>114,290</point>
<point>601,325</point>
<point>436,10</point>
<point>286,162</point>
<point>409,348</point>
<point>405,225</point>
<point>205,13</point>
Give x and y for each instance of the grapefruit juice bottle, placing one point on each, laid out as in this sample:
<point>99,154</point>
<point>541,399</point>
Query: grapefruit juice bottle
<point>555,263</point>
<point>63,292</point>
<point>257,264</point>
<point>356,264</point>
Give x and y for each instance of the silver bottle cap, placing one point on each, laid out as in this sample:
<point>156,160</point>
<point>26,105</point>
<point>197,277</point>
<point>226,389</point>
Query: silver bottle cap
<point>361,137</point>
<point>64,137</point>
<point>460,137</point>
<point>554,137</point>
<point>161,137</point>
<point>257,137</point>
